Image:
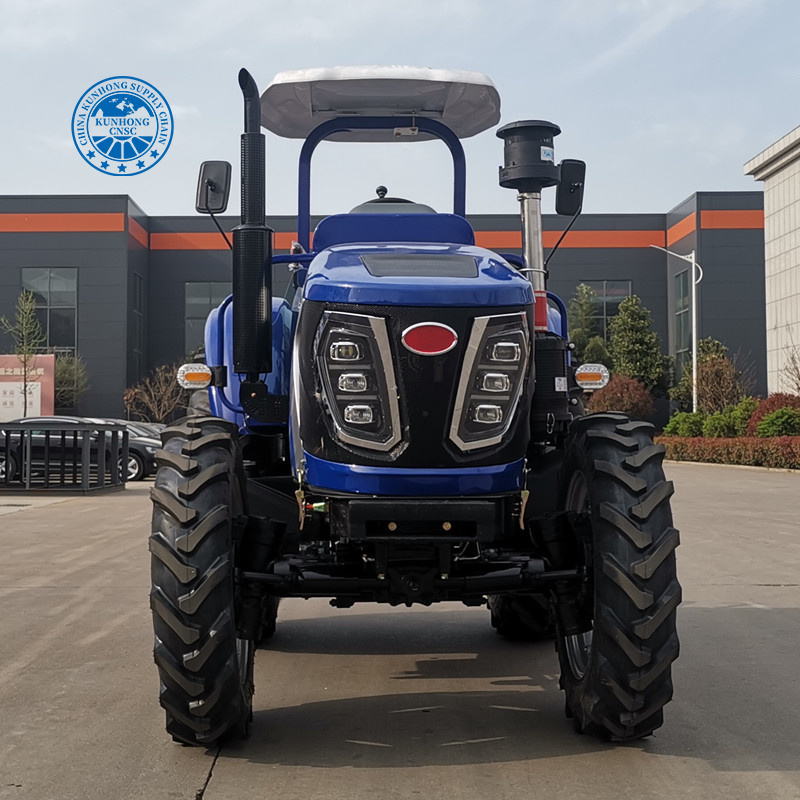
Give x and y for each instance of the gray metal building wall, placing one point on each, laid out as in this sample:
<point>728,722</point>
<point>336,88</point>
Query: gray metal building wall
<point>102,261</point>
<point>731,296</point>
<point>167,252</point>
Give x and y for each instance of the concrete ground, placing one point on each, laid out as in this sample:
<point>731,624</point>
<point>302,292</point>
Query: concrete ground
<point>396,703</point>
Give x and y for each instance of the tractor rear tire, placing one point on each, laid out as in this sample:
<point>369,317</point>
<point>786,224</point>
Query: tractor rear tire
<point>206,672</point>
<point>617,677</point>
<point>522,618</point>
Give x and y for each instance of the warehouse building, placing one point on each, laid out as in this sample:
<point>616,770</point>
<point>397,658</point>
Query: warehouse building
<point>129,291</point>
<point>779,168</point>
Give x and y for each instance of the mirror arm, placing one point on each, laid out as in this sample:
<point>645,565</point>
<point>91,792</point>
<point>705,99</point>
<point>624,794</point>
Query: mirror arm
<point>561,238</point>
<point>219,228</point>
<point>210,186</point>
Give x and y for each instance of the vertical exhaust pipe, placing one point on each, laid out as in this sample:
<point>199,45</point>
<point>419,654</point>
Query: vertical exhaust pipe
<point>252,250</point>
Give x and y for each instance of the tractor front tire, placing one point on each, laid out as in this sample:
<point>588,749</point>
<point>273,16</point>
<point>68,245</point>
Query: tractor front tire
<point>206,672</point>
<point>522,618</point>
<point>617,677</point>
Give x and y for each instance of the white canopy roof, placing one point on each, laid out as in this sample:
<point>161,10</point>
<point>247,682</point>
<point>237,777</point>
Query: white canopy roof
<point>297,101</point>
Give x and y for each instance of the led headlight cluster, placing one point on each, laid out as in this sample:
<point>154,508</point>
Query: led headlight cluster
<point>354,363</point>
<point>492,376</point>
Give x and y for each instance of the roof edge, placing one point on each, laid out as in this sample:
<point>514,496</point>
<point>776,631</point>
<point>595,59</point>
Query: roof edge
<point>777,155</point>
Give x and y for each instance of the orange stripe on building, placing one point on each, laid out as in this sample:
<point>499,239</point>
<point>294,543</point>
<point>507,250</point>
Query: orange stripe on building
<point>498,239</point>
<point>282,240</point>
<point>138,232</point>
<point>61,223</point>
<point>187,241</point>
<point>608,239</point>
<point>743,219</point>
<point>576,239</point>
<point>683,228</point>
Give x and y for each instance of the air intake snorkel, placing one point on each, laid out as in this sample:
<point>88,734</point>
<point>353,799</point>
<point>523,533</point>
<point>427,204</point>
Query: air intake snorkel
<point>529,167</point>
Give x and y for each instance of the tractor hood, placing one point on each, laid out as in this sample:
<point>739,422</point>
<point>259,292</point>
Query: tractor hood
<point>414,275</point>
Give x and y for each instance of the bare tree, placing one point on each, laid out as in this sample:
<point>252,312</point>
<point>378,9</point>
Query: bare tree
<point>791,366</point>
<point>157,397</point>
<point>29,339</point>
<point>721,381</point>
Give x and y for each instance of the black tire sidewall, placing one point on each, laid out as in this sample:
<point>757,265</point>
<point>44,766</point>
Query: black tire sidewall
<point>597,441</point>
<point>216,617</point>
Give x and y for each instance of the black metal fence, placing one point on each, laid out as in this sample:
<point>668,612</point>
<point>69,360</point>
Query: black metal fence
<point>59,456</point>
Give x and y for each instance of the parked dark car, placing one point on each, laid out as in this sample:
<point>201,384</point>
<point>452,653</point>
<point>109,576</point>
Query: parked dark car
<point>143,441</point>
<point>141,449</point>
<point>150,430</point>
<point>13,464</point>
<point>48,446</point>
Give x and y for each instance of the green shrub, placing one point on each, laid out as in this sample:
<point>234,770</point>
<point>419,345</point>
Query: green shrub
<point>720,425</point>
<point>779,452</point>
<point>623,394</point>
<point>742,412</point>
<point>783,422</point>
<point>685,423</point>
<point>596,352</point>
<point>671,428</point>
<point>731,421</point>
<point>770,404</point>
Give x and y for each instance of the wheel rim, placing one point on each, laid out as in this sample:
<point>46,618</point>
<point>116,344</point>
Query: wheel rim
<point>578,647</point>
<point>133,468</point>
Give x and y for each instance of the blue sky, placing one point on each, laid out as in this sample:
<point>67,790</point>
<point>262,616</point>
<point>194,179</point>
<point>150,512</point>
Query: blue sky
<point>661,98</point>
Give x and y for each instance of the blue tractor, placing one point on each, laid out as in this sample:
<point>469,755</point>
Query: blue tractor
<point>404,427</point>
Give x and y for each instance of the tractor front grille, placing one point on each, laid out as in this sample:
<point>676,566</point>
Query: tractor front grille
<point>351,359</point>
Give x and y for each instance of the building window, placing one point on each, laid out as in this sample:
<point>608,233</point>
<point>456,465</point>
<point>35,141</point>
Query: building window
<point>683,329</point>
<point>607,297</point>
<point>56,293</point>
<point>201,297</point>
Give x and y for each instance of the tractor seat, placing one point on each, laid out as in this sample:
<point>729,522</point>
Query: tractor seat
<point>392,227</point>
<point>392,219</point>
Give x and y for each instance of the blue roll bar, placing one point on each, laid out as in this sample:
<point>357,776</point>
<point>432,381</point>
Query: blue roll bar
<point>326,129</point>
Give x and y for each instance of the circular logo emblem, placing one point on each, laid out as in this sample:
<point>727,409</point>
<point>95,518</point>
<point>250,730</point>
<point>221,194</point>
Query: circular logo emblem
<point>429,338</point>
<point>122,126</point>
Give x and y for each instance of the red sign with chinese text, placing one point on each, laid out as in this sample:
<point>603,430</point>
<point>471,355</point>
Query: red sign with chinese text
<point>40,389</point>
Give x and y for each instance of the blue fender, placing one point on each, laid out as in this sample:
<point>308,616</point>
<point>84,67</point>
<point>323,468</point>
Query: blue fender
<point>219,352</point>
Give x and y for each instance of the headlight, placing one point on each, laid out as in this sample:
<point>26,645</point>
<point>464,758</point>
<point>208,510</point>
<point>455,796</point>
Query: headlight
<point>150,450</point>
<point>355,367</point>
<point>492,376</point>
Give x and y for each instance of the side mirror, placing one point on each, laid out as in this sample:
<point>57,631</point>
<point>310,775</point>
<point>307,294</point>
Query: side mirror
<point>213,187</point>
<point>569,195</point>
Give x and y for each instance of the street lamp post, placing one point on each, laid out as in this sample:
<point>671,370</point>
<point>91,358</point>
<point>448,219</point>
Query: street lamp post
<point>695,280</point>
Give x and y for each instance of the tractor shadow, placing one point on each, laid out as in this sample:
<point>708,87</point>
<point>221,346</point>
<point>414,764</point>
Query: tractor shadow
<point>482,699</point>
